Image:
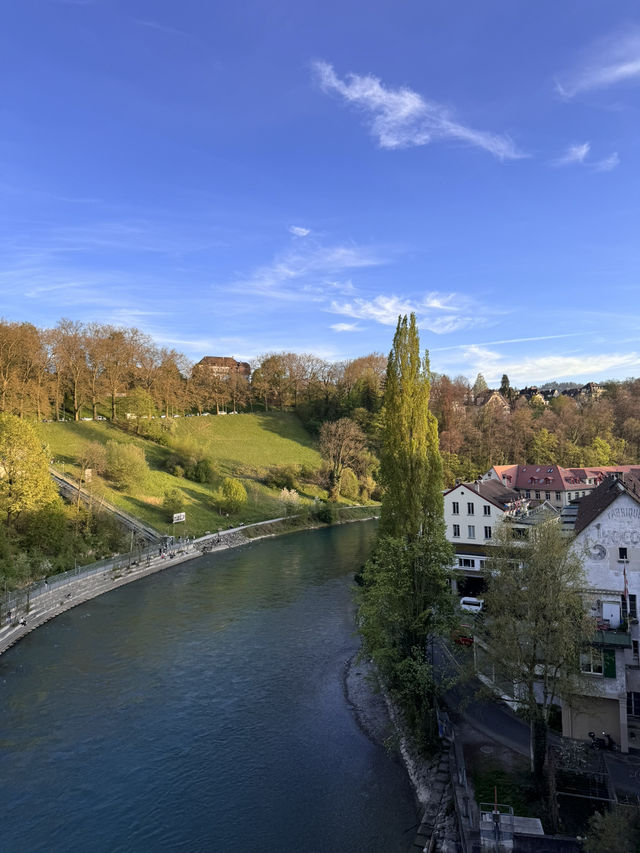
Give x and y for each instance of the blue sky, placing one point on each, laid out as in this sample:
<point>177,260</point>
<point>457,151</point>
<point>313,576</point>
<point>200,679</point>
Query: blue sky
<point>238,178</point>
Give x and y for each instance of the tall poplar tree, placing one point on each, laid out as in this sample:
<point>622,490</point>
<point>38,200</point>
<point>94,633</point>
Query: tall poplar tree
<point>405,599</point>
<point>410,465</point>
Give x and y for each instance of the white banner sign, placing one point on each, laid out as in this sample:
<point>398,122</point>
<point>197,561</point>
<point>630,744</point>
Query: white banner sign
<point>179,516</point>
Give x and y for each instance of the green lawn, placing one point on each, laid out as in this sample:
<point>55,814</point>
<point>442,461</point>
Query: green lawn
<point>241,446</point>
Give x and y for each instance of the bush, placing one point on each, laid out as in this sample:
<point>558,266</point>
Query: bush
<point>204,472</point>
<point>308,473</point>
<point>281,477</point>
<point>173,502</point>
<point>326,512</point>
<point>174,464</point>
<point>155,431</point>
<point>126,464</point>
<point>234,494</point>
<point>349,486</point>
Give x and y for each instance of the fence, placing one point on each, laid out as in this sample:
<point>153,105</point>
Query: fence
<point>22,600</point>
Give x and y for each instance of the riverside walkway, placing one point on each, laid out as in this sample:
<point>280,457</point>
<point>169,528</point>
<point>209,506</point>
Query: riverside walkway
<point>32,610</point>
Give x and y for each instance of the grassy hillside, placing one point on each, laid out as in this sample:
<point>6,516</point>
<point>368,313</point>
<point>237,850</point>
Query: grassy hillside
<point>242,446</point>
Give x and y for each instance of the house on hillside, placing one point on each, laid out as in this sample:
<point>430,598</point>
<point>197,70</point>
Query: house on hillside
<point>492,399</point>
<point>222,365</point>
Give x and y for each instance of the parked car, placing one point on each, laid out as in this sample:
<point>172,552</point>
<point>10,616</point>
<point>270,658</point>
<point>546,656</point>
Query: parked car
<point>472,605</point>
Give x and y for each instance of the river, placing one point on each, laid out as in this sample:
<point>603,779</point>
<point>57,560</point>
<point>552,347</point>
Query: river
<point>202,709</point>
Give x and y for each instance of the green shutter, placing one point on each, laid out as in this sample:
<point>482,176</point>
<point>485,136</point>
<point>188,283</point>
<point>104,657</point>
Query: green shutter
<point>609,656</point>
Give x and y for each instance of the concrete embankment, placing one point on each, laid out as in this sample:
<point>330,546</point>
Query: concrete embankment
<point>27,610</point>
<point>34,611</point>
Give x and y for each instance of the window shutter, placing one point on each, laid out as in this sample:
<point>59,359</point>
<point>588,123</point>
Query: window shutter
<point>609,657</point>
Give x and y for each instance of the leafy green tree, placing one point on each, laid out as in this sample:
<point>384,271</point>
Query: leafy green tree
<point>140,404</point>
<point>410,463</point>
<point>126,464</point>
<point>544,447</point>
<point>479,385</point>
<point>405,597</point>
<point>173,502</point>
<point>234,494</point>
<point>536,623</point>
<point>25,483</point>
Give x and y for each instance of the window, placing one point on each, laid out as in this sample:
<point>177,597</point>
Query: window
<point>487,533</point>
<point>470,508</point>
<point>471,531</point>
<point>633,704</point>
<point>558,496</point>
<point>456,530</point>
<point>633,607</point>
<point>487,509</point>
<point>527,494</point>
<point>455,508</point>
<point>547,496</point>
<point>622,554</point>
<point>568,496</point>
<point>537,496</point>
<point>591,661</point>
<point>466,562</point>
<point>636,649</point>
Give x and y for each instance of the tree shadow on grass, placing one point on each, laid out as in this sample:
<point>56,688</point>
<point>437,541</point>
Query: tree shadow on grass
<point>286,425</point>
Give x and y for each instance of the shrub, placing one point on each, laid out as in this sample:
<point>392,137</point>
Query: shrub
<point>326,512</point>
<point>234,494</point>
<point>281,477</point>
<point>349,486</point>
<point>173,502</point>
<point>204,472</point>
<point>126,464</point>
<point>175,465</point>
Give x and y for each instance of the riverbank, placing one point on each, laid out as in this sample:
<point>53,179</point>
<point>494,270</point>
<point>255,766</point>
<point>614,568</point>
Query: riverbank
<point>430,778</point>
<point>32,612</point>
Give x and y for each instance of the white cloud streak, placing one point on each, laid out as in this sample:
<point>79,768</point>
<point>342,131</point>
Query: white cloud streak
<point>308,272</point>
<point>436,312</point>
<point>540,369</point>
<point>402,118</point>
<point>346,327</point>
<point>608,164</point>
<point>614,61</point>
<point>298,231</point>
<point>578,155</point>
<point>575,154</point>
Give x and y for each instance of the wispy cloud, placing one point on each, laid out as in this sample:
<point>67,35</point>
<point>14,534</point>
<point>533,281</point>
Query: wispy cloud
<point>543,368</point>
<point>346,327</point>
<point>574,154</point>
<point>308,271</point>
<point>608,164</point>
<point>298,231</point>
<point>578,155</point>
<point>611,62</point>
<point>402,118</point>
<point>439,313</point>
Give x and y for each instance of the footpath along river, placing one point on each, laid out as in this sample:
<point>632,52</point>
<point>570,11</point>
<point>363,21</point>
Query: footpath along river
<point>201,709</point>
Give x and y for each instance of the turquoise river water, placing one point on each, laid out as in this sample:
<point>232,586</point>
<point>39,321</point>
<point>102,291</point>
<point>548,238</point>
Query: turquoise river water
<point>201,709</point>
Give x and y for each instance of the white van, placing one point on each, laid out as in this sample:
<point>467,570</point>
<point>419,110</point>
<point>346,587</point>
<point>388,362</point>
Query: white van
<point>473,605</point>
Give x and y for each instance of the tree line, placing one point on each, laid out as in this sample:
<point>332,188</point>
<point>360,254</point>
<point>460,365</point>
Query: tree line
<point>100,370</point>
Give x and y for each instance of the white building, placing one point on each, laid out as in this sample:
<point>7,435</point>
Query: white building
<point>471,513</point>
<point>607,528</point>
